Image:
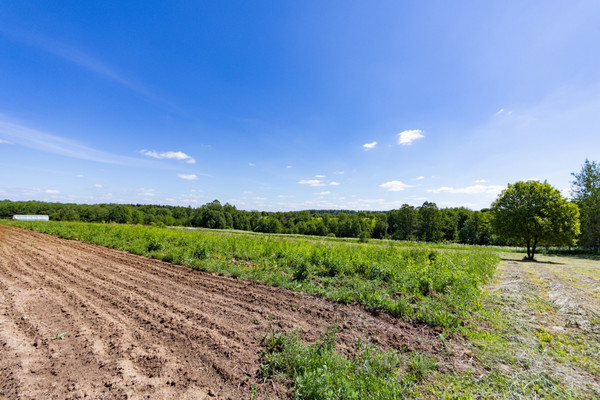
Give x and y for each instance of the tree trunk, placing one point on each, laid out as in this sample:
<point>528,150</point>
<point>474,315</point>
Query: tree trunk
<point>528,249</point>
<point>533,249</point>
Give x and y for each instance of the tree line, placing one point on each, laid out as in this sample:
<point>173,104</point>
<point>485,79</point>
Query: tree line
<point>526,213</point>
<point>425,223</point>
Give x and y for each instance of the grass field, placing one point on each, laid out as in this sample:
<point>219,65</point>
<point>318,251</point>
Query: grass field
<point>532,328</point>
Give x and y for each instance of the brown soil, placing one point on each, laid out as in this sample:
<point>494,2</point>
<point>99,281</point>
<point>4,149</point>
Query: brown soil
<point>141,328</point>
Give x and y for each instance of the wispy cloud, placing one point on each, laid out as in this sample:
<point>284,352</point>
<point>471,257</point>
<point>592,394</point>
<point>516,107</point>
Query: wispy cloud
<point>420,178</point>
<point>480,181</point>
<point>500,111</point>
<point>405,138</point>
<point>311,182</point>
<point>147,192</point>
<point>52,191</point>
<point>324,193</point>
<point>334,183</point>
<point>339,173</point>
<point>97,185</point>
<point>46,142</point>
<point>77,57</point>
<point>395,186</point>
<point>474,189</point>
<point>2,141</point>
<point>369,146</point>
<point>189,177</point>
<point>173,155</point>
<point>320,176</point>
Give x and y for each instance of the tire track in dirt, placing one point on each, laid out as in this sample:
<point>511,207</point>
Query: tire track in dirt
<point>139,327</point>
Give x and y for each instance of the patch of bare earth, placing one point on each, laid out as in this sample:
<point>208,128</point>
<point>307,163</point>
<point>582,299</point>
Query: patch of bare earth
<point>78,320</point>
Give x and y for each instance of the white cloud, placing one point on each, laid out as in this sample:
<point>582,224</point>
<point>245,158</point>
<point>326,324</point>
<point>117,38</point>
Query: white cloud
<point>247,192</point>
<point>395,186</point>
<point>2,141</point>
<point>147,192</point>
<point>500,111</point>
<point>324,193</point>
<point>319,176</point>
<point>311,182</point>
<point>173,155</point>
<point>406,138</point>
<point>480,181</point>
<point>369,146</point>
<point>79,176</point>
<point>420,178</point>
<point>457,204</point>
<point>52,191</point>
<point>334,183</point>
<point>189,177</point>
<point>251,164</point>
<point>288,166</point>
<point>474,189</point>
<point>339,173</point>
<point>97,185</point>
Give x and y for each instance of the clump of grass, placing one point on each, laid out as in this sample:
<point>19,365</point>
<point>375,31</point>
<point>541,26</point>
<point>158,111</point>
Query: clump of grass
<point>317,371</point>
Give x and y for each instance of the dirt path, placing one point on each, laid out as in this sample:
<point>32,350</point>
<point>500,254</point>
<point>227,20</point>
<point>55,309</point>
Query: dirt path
<point>78,320</point>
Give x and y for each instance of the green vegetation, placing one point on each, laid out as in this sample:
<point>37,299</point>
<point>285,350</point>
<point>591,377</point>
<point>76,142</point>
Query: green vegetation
<point>424,223</point>
<point>318,372</point>
<point>586,194</point>
<point>436,287</point>
<point>535,213</point>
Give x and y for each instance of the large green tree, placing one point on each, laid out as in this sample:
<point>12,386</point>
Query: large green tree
<point>585,190</point>
<point>535,213</point>
<point>403,223</point>
<point>430,223</point>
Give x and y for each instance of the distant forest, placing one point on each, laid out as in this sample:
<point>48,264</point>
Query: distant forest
<point>424,223</point>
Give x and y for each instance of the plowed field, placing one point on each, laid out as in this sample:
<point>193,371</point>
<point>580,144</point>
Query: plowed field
<point>78,320</point>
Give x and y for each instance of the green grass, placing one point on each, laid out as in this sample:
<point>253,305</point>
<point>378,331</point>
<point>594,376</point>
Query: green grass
<point>439,287</point>
<point>317,371</point>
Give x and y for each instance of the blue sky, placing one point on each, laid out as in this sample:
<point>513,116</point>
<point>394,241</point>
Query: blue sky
<point>287,105</point>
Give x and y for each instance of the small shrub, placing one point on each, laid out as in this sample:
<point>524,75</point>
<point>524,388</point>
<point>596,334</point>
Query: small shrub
<point>364,237</point>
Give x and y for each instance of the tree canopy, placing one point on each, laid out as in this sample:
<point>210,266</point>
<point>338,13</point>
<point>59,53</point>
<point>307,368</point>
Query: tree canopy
<point>535,213</point>
<point>585,190</point>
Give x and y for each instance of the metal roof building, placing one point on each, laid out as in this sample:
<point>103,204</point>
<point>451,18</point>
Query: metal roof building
<point>31,217</point>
